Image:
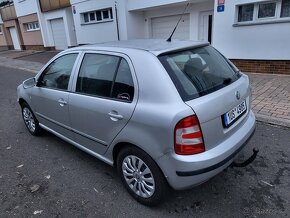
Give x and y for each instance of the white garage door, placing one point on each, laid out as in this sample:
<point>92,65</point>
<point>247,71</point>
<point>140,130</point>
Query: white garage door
<point>162,27</point>
<point>58,33</point>
<point>14,38</point>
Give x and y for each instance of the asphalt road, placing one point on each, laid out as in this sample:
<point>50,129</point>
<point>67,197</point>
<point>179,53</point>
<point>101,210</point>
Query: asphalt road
<point>47,177</point>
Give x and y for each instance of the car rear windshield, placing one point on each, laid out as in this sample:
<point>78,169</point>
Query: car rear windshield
<point>199,71</point>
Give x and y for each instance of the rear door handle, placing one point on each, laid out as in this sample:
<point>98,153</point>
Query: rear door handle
<point>115,116</point>
<point>62,102</point>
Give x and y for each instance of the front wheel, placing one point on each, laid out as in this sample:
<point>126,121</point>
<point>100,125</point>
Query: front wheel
<point>30,120</point>
<point>141,176</point>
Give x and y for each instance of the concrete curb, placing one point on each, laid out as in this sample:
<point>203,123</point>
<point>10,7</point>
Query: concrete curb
<point>272,120</point>
<point>268,74</point>
<point>19,68</point>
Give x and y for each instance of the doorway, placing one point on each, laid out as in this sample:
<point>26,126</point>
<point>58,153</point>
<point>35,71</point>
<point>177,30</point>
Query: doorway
<point>14,37</point>
<point>205,26</point>
<point>58,34</point>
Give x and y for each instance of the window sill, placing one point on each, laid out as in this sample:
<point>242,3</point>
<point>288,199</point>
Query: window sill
<point>97,22</point>
<point>33,30</point>
<point>252,23</point>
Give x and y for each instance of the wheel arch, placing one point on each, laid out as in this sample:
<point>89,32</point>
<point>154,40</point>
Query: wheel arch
<point>21,101</point>
<point>121,145</point>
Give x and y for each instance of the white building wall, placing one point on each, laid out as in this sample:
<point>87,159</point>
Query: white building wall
<point>261,42</point>
<point>136,25</point>
<point>26,7</point>
<point>96,32</point>
<point>131,24</point>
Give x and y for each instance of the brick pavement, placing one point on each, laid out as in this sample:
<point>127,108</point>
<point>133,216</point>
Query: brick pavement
<point>271,97</point>
<point>271,93</point>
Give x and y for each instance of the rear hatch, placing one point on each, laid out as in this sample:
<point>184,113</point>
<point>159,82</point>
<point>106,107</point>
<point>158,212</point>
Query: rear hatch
<point>212,86</point>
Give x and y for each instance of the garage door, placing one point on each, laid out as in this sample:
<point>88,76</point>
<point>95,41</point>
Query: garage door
<point>14,38</point>
<point>58,34</point>
<point>162,27</point>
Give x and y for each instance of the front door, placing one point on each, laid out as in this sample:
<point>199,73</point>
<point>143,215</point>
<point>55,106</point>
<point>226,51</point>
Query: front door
<point>14,37</point>
<point>58,34</point>
<point>205,26</point>
<point>50,97</point>
<point>103,101</point>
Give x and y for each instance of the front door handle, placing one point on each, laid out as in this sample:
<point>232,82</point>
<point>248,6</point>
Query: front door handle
<point>115,116</point>
<point>62,102</point>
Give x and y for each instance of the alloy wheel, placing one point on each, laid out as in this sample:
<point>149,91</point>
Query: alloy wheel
<point>28,119</point>
<point>138,176</point>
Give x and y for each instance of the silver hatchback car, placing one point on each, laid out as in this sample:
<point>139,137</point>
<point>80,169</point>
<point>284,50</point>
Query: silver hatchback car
<point>164,113</point>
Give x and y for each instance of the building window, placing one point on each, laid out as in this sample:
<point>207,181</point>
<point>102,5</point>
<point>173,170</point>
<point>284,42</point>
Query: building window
<point>32,26</point>
<point>267,10</point>
<point>246,13</point>
<point>263,11</point>
<point>97,16</point>
<point>285,8</point>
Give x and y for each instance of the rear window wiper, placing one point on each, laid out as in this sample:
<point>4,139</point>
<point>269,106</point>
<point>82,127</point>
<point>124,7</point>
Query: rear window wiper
<point>227,81</point>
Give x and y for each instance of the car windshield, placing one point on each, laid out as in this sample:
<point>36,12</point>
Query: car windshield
<point>199,71</point>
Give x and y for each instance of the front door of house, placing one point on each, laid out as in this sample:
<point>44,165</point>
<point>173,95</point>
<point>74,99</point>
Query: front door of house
<point>205,26</point>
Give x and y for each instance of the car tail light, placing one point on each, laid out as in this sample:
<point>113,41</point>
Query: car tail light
<point>188,136</point>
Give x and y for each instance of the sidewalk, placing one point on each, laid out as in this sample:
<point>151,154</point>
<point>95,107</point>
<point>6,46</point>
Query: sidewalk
<point>271,98</point>
<point>271,93</point>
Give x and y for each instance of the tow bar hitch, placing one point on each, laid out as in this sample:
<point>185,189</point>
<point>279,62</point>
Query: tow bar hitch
<point>248,161</point>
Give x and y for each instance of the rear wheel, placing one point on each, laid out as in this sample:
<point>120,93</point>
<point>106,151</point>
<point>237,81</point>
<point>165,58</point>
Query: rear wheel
<point>30,120</point>
<point>141,176</point>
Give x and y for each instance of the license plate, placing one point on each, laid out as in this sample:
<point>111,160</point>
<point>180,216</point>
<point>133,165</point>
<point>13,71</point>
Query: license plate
<point>234,114</point>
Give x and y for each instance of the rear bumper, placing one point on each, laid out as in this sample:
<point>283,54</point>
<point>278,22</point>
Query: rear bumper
<point>187,171</point>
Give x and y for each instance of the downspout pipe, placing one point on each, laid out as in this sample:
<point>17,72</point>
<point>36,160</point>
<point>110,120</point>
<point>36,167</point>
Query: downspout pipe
<point>117,21</point>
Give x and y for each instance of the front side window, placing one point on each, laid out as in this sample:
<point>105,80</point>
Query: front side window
<point>198,72</point>
<point>267,10</point>
<point>246,12</point>
<point>285,8</point>
<point>105,76</point>
<point>57,74</point>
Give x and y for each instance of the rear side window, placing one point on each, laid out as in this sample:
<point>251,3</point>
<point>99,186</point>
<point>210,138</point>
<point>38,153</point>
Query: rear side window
<point>105,76</point>
<point>123,86</point>
<point>197,72</point>
<point>97,74</point>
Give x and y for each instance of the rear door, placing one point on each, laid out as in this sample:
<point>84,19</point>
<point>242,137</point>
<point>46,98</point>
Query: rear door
<point>104,99</point>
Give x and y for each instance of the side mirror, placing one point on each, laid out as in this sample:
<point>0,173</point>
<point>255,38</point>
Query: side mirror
<point>39,83</point>
<point>29,83</point>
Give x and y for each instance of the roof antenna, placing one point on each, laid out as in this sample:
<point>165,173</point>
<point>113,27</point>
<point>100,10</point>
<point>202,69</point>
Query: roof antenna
<point>169,39</point>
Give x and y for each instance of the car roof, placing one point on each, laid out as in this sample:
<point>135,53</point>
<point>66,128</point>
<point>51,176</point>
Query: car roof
<point>155,46</point>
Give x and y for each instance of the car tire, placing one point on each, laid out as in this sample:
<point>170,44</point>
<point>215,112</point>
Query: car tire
<point>141,176</point>
<point>30,120</point>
